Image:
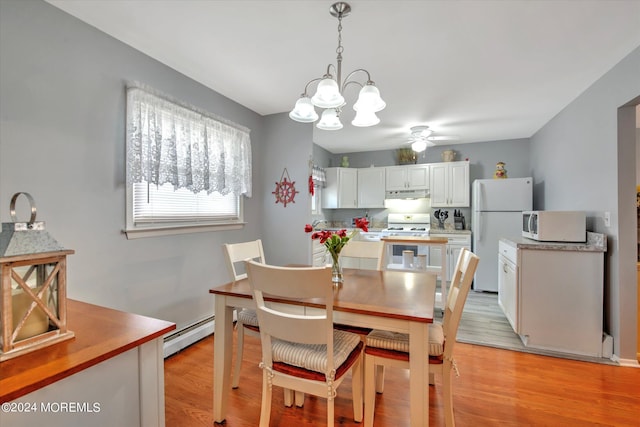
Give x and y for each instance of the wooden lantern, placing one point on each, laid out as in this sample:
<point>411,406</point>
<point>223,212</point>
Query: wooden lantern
<point>33,279</point>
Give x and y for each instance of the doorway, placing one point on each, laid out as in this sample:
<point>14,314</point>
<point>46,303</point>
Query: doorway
<point>638,231</point>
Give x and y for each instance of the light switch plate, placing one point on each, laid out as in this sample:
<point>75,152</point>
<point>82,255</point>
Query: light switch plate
<point>607,219</point>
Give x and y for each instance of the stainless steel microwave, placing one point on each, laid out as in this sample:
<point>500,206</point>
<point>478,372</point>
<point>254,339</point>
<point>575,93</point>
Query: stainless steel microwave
<point>554,226</point>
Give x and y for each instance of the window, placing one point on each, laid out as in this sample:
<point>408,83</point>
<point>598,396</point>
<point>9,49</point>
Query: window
<point>186,170</point>
<point>318,176</point>
<point>316,200</point>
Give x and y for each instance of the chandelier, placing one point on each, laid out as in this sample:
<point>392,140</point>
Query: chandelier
<point>330,90</point>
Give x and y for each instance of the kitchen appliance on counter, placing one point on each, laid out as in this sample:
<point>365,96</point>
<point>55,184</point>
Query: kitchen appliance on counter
<point>441,216</point>
<point>497,206</point>
<point>416,224</point>
<point>554,226</point>
<point>459,222</point>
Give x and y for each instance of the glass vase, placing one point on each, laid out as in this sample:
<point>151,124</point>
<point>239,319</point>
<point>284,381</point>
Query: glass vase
<point>336,269</point>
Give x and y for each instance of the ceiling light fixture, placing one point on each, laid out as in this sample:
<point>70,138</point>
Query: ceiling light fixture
<point>330,90</point>
<point>419,135</point>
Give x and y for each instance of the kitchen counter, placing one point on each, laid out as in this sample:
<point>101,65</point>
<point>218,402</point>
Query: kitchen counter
<point>596,242</point>
<point>448,231</point>
<point>416,239</point>
<point>437,243</point>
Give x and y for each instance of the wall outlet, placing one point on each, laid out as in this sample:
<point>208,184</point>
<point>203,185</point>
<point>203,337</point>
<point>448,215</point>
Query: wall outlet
<point>607,219</point>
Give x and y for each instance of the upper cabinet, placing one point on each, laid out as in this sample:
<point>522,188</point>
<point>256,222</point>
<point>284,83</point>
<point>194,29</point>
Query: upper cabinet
<point>348,188</point>
<point>449,184</point>
<point>341,188</point>
<point>351,188</point>
<point>371,187</point>
<point>411,177</point>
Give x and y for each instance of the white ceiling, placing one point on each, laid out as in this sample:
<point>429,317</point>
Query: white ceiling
<point>479,69</point>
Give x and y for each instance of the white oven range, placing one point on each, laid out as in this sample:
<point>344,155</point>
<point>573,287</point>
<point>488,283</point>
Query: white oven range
<point>415,224</point>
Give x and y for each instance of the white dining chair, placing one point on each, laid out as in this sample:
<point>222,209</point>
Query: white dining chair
<point>247,320</point>
<point>363,255</point>
<point>391,349</point>
<point>302,351</point>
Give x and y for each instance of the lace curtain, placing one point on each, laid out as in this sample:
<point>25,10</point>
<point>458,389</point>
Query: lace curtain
<point>170,143</point>
<point>318,175</point>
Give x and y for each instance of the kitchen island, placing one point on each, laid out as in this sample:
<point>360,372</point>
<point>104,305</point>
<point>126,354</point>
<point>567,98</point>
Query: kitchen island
<point>552,293</point>
<point>110,374</point>
<point>430,241</point>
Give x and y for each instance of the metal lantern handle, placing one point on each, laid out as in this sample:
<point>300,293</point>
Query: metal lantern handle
<point>32,202</point>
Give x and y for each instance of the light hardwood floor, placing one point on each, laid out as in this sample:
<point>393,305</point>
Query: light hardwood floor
<point>484,323</point>
<point>496,388</point>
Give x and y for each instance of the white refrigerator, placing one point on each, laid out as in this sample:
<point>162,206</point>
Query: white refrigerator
<point>496,210</point>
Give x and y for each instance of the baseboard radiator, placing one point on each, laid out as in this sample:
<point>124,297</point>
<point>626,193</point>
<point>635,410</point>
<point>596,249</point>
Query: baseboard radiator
<point>186,336</point>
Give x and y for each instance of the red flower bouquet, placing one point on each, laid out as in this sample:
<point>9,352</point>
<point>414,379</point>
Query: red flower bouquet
<point>335,241</point>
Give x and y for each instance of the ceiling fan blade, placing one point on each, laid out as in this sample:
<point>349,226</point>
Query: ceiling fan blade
<point>443,138</point>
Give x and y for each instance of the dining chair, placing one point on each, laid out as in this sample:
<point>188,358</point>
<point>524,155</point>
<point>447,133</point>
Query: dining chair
<point>247,320</point>
<point>391,349</point>
<point>302,351</point>
<point>364,255</point>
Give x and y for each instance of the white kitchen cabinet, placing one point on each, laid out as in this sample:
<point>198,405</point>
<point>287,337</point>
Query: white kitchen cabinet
<point>449,184</point>
<point>341,188</point>
<point>318,253</point>
<point>456,243</point>
<point>404,178</point>
<point>508,282</point>
<point>552,293</point>
<point>371,187</point>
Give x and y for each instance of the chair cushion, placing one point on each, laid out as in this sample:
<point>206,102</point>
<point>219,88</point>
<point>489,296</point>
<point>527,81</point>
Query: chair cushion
<point>400,342</point>
<point>313,357</point>
<point>248,317</point>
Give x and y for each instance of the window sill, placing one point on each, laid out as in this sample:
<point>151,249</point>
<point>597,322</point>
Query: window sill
<point>169,230</point>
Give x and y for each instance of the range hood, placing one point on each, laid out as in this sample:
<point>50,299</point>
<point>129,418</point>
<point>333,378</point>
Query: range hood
<point>406,194</point>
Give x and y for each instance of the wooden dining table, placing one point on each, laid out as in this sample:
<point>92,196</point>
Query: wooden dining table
<point>391,300</point>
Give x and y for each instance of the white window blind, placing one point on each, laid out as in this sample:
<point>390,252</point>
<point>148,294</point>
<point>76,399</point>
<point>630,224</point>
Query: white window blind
<point>152,204</point>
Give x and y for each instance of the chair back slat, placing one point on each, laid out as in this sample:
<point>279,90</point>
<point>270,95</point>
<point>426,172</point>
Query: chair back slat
<point>237,253</point>
<point>363,250</point>
<point>307,330</point>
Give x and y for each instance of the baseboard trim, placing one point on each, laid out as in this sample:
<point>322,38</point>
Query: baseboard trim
<point>185,337</point>
<point>629,363</point>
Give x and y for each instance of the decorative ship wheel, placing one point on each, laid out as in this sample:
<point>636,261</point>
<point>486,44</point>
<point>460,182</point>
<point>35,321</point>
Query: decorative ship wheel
<point>285,191</point>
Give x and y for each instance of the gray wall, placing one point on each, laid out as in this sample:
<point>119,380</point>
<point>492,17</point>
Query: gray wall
<point>288,145</point>
<point>584,159</point>
<point>62,115</point>
<point>482,157</point>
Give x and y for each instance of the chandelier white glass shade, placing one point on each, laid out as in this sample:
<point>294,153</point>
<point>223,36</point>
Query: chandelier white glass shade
<point>419,136</point>
<point>330,90</point>
<point>365,119</point>
<point>304,112</point>
<point>327,94</point>
<point>329,120</point>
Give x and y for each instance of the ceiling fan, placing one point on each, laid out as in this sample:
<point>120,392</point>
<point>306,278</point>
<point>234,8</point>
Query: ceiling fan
<point>423,137</point>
